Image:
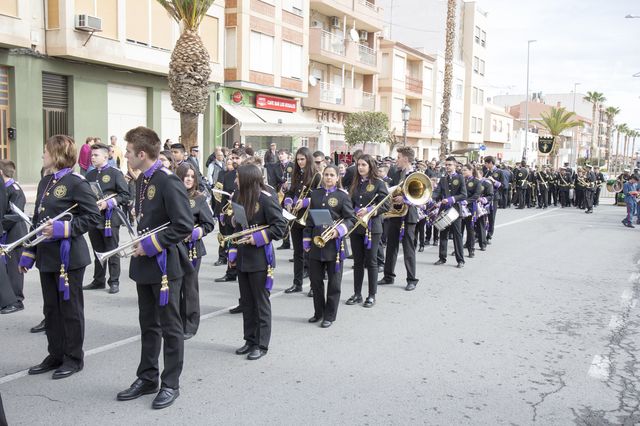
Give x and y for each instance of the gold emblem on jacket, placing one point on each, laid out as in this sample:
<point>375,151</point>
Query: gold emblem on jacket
<point>192,203</point>
<point>106,179</point>
<point>455,182</point>
<point>60,191</point>
<point>257,209</point>
<point>371,187</point>
<point>470,184</point>
<point>333,202</point>
<point>151,192</point>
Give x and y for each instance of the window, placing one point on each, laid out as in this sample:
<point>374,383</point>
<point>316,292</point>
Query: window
<point>476,64</point>
<point>291,60</point>
<point>399,68</point>
<point>230,47</point>
<point>508,131</point>
<point>494,126</point>
<point>261,53</point>
<point>137,30</point>
<point>480,97</point>
<point>427,76</point>
<point>479,128</point>
<point>477,35</point>
<point>474,123</point>
<point>483,39</point>
<point>458,92</point>
<point>209,36</point>
<point>474,95</point>
<point>386,66</point>
<point>481,68</point>
<point>500,126</point>
<point>293,6</point>
<point>426,115</point>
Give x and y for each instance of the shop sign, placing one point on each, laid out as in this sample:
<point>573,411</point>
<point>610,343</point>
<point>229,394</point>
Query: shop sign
<point>276,103</point>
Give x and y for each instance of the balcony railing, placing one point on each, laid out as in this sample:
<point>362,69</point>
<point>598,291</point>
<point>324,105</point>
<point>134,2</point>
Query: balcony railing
<point>370,5</point>
<point>414,125</point>
<point>330,93</point>
<point>365,100</point>
<point>332,43</point>
<point>413,84</point>
<point>367,55</point>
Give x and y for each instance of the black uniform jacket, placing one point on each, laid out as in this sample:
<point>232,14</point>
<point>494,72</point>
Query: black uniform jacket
<point>487,190</point>
<point>111,181</point>
<point>339,204</point>
<point>363,194</point>
<point>295,192</point>
<point>160,199</point>
<point>203,219</point>
<point>499,176</point>
<point>227,183</point>
<point>451,187</point>
<point>277,173</point>
<point>4,207</point>
<point>397,178</point>
<point>61,194</point>
<point>474,190</point>
<point>12,224</point>
<point>267,212</point>
<point>522,177</point>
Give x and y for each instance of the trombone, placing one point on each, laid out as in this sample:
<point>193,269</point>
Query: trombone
<point>37,232</point>
<point>126,249</point>
<point>327,235</point>
<point>240,237</point>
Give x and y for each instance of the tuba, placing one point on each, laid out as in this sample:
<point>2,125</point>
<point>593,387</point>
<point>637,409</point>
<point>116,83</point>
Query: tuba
<point>416,188</point>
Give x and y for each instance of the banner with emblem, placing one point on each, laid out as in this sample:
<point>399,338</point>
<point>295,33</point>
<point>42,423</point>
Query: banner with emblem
<point>545,144</point>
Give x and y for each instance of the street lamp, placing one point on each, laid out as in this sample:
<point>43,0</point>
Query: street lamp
<point>406,111</point>
<point>575,131</point>
<point>526,107</point>
<point>632,16</point>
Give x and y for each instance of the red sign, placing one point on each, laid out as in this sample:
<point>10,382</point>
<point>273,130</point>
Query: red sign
<point>275,103</point>
<point>236,97</point>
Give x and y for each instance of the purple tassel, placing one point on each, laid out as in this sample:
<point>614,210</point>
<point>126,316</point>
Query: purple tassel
<point>402,230</point>
<point>107,232</point>
<point>63,280</point>
<point>268,251</point>
<point>268,284</point>
<point>161,259</point>
<point>164,293</point>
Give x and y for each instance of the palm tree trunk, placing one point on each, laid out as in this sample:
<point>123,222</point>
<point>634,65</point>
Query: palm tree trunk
<point>608,142</point>
<point>188,130</point>
<point>624,153</point>
<point>633,151</point>
<point>593,131</point>
<point>617,150</point>
<point>448,77</point>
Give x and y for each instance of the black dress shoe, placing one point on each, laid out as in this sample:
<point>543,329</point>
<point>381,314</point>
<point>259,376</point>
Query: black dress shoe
<point>64,372</point>
<point>483,249</point>
<point>314,319</point>
<point>369,302</point>
<point>38,328</point>
<point>236,310</point>
<point>245,349</point>
<point>460,265</point>
<point>256,353</point>
<point>188,336</point>
<point>220,262</point>
<point>114,288</point>
<point>488,241</point>
<point>12,308</point>
<point>471,254</point>
<point>440,262</point>
<point>326,324</point>
<point>421,249</point>
<point>356,298</point>
<point>165,398</point>
<point>435,242</point>
<point>310,294</point>
<point>138,388</point>
<point>294,289</point>
<point>410,286</point>
<point>385,281</point>
<point>93,286</point>
<point>225,278</point>
<point>47,365</point>
<point>291,260</point>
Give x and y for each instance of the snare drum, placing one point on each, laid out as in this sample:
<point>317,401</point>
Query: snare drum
<point>446,218</point>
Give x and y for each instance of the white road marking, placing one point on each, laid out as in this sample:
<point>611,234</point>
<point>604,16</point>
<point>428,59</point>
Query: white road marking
<point>600,367</point>
<point>513,222</point>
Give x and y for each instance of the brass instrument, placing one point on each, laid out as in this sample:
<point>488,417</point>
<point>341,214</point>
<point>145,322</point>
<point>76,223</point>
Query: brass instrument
<point>107,198</point>
<point>126,249</point>
<point>364,220</point>
<point>217,192</point>
<point>416,188</point>
<point>227,209</point>
<point>24,241</point>
<point>584,183</point>
<point>327,235</point>
<point>241,237</point>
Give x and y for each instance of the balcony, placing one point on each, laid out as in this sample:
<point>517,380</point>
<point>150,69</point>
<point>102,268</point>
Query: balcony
<point>331,94</point>
<point>332,43</point>
<point>332,97</point>
<point>413,85</point>
<point>364,100</point>
<point>414,125</point>
<point>328,48</point>
<point>367,55</point>
<point>367,14</point>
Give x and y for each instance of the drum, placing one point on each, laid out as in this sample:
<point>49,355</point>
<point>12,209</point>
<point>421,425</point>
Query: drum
<point>464,210</point>
<point>481,210</point>
<point>446,218</point>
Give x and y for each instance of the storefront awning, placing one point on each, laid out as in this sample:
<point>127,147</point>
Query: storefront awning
<point>262,122</point>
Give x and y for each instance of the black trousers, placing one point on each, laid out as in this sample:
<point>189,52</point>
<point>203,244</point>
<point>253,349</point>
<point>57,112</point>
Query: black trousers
<point>365,259</point>
<point>481,231</point>
<point>383,242</point>
<point>543,196</point>
<point>579,198</point>
<point>588,199</point>
<point>190,300</point>
<point>100,243</point>
<point>7,295</point>
<point>408,248</point>
<point>160,326</point>
<point>325,307</point>
<point>491,217</point>
<point>228,230</point>
<point>509,195</point>
<point>222,248</point>
<point>298,254</point>
<point>15,278</point>
<point>64,319</point>
<point>563,193</point>
<point>420,231</point>
<point>469,228</point>
<point>456,230</point>
<point>596,196</point>
<point>432,230</point>
<point>256,308</point>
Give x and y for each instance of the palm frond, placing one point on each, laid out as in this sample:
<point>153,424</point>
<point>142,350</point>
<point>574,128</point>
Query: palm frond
<point>190,13</point>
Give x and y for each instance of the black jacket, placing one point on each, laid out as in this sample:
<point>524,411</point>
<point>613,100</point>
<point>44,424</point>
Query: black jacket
<point>202,218</point>
<point>451,186</point>
<point>363,194</point>
<point>501,176</point>
<point>111,181</point>
<point>339,205</point>
<point>277,173</point>
<point>12,224</point>
<point>397,178</point>
<point>474,190</point>
<point>349,175</point>
<point>487,190</point>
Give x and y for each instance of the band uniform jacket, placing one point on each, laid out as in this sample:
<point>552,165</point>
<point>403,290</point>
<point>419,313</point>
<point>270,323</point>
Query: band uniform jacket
<point>522,176</point>
<point>161,199</point>
<point>371,192</point>
<point>349,175</point>
<point>339,205</point>
<point>267,212</point>
<point>12,224</point>
<point>4,207</point>
<point>542,179</point>
<point>451,186</point>
<point>501,176</point>
<point>398,178</point>
<point>61,194</point>
<point>296,191</point>
<point>203,219</point>
<point>474,190</point>
<point>228,182</point>
<point>487,190</point>
<point>277,173</point>
<point>111,181</point>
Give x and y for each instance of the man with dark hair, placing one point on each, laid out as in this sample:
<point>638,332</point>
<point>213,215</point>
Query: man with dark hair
<point>271,156</point>
<point>193,157</point>
<point>319,161</point>
<point>499,181</point>
<point>522,184</point>
<point>402,229</point>
<point>179,153</point>
<point>351,172</point>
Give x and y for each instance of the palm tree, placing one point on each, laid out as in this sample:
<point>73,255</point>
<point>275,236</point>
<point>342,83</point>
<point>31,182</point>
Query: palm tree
<point>633,134</point>
<point>448,77</point>
<point>625,131</point>
<point>557,121</point>
<point>595,98</point>
<point>611,113</point>
<point>619,129</point>
<point>189,68</point>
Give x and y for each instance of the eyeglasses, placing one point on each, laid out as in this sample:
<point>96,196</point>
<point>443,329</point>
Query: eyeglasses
<point>318,162</point>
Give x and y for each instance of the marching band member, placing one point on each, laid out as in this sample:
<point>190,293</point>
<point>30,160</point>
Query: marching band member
<point>367,190</point>
<point>449,192</point>
<point>157,267</point>
<point>107,181</point>
<point>13,228</point>
<point>482,221</point>
<point>499,179</point>
<point>474,189</point>
<point>255,259</point>
<point>330,257</point>
<point>63,256</point>
<point>203,225</point>
<point>304,180</point>
<point>401,230</point>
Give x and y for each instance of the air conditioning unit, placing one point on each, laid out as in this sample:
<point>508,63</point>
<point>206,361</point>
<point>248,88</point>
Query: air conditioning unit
<point>335,22</point>
<point>88,23</point>
<point>364,35</point>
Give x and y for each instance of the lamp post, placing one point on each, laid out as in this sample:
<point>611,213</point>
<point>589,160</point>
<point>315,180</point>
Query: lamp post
<point>526,107</point>
<point>406,111</point>
<point>575,131</point>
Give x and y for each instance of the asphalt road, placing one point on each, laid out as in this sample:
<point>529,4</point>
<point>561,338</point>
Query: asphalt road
<point>542,328</point>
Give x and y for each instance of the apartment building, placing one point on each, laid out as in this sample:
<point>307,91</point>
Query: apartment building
<point>344,63</point>
<point>265,74</point>
<point>91,68</point>
<point>408,78</point>
<point>497,132</point>
<point>457,146</point>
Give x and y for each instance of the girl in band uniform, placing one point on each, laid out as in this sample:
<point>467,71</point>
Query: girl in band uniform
<point>329,258</point>
<point>367,190</point>
<point>203,225</point>
<point>474,190</point>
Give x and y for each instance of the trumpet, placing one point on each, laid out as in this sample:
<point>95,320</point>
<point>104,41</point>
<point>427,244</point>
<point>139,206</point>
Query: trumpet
<point>364,220</point>
<point>126,249</point>
<point>107,198</point>
<point>240,237</point>
<point>327,235</point>
<point>37,232</point>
